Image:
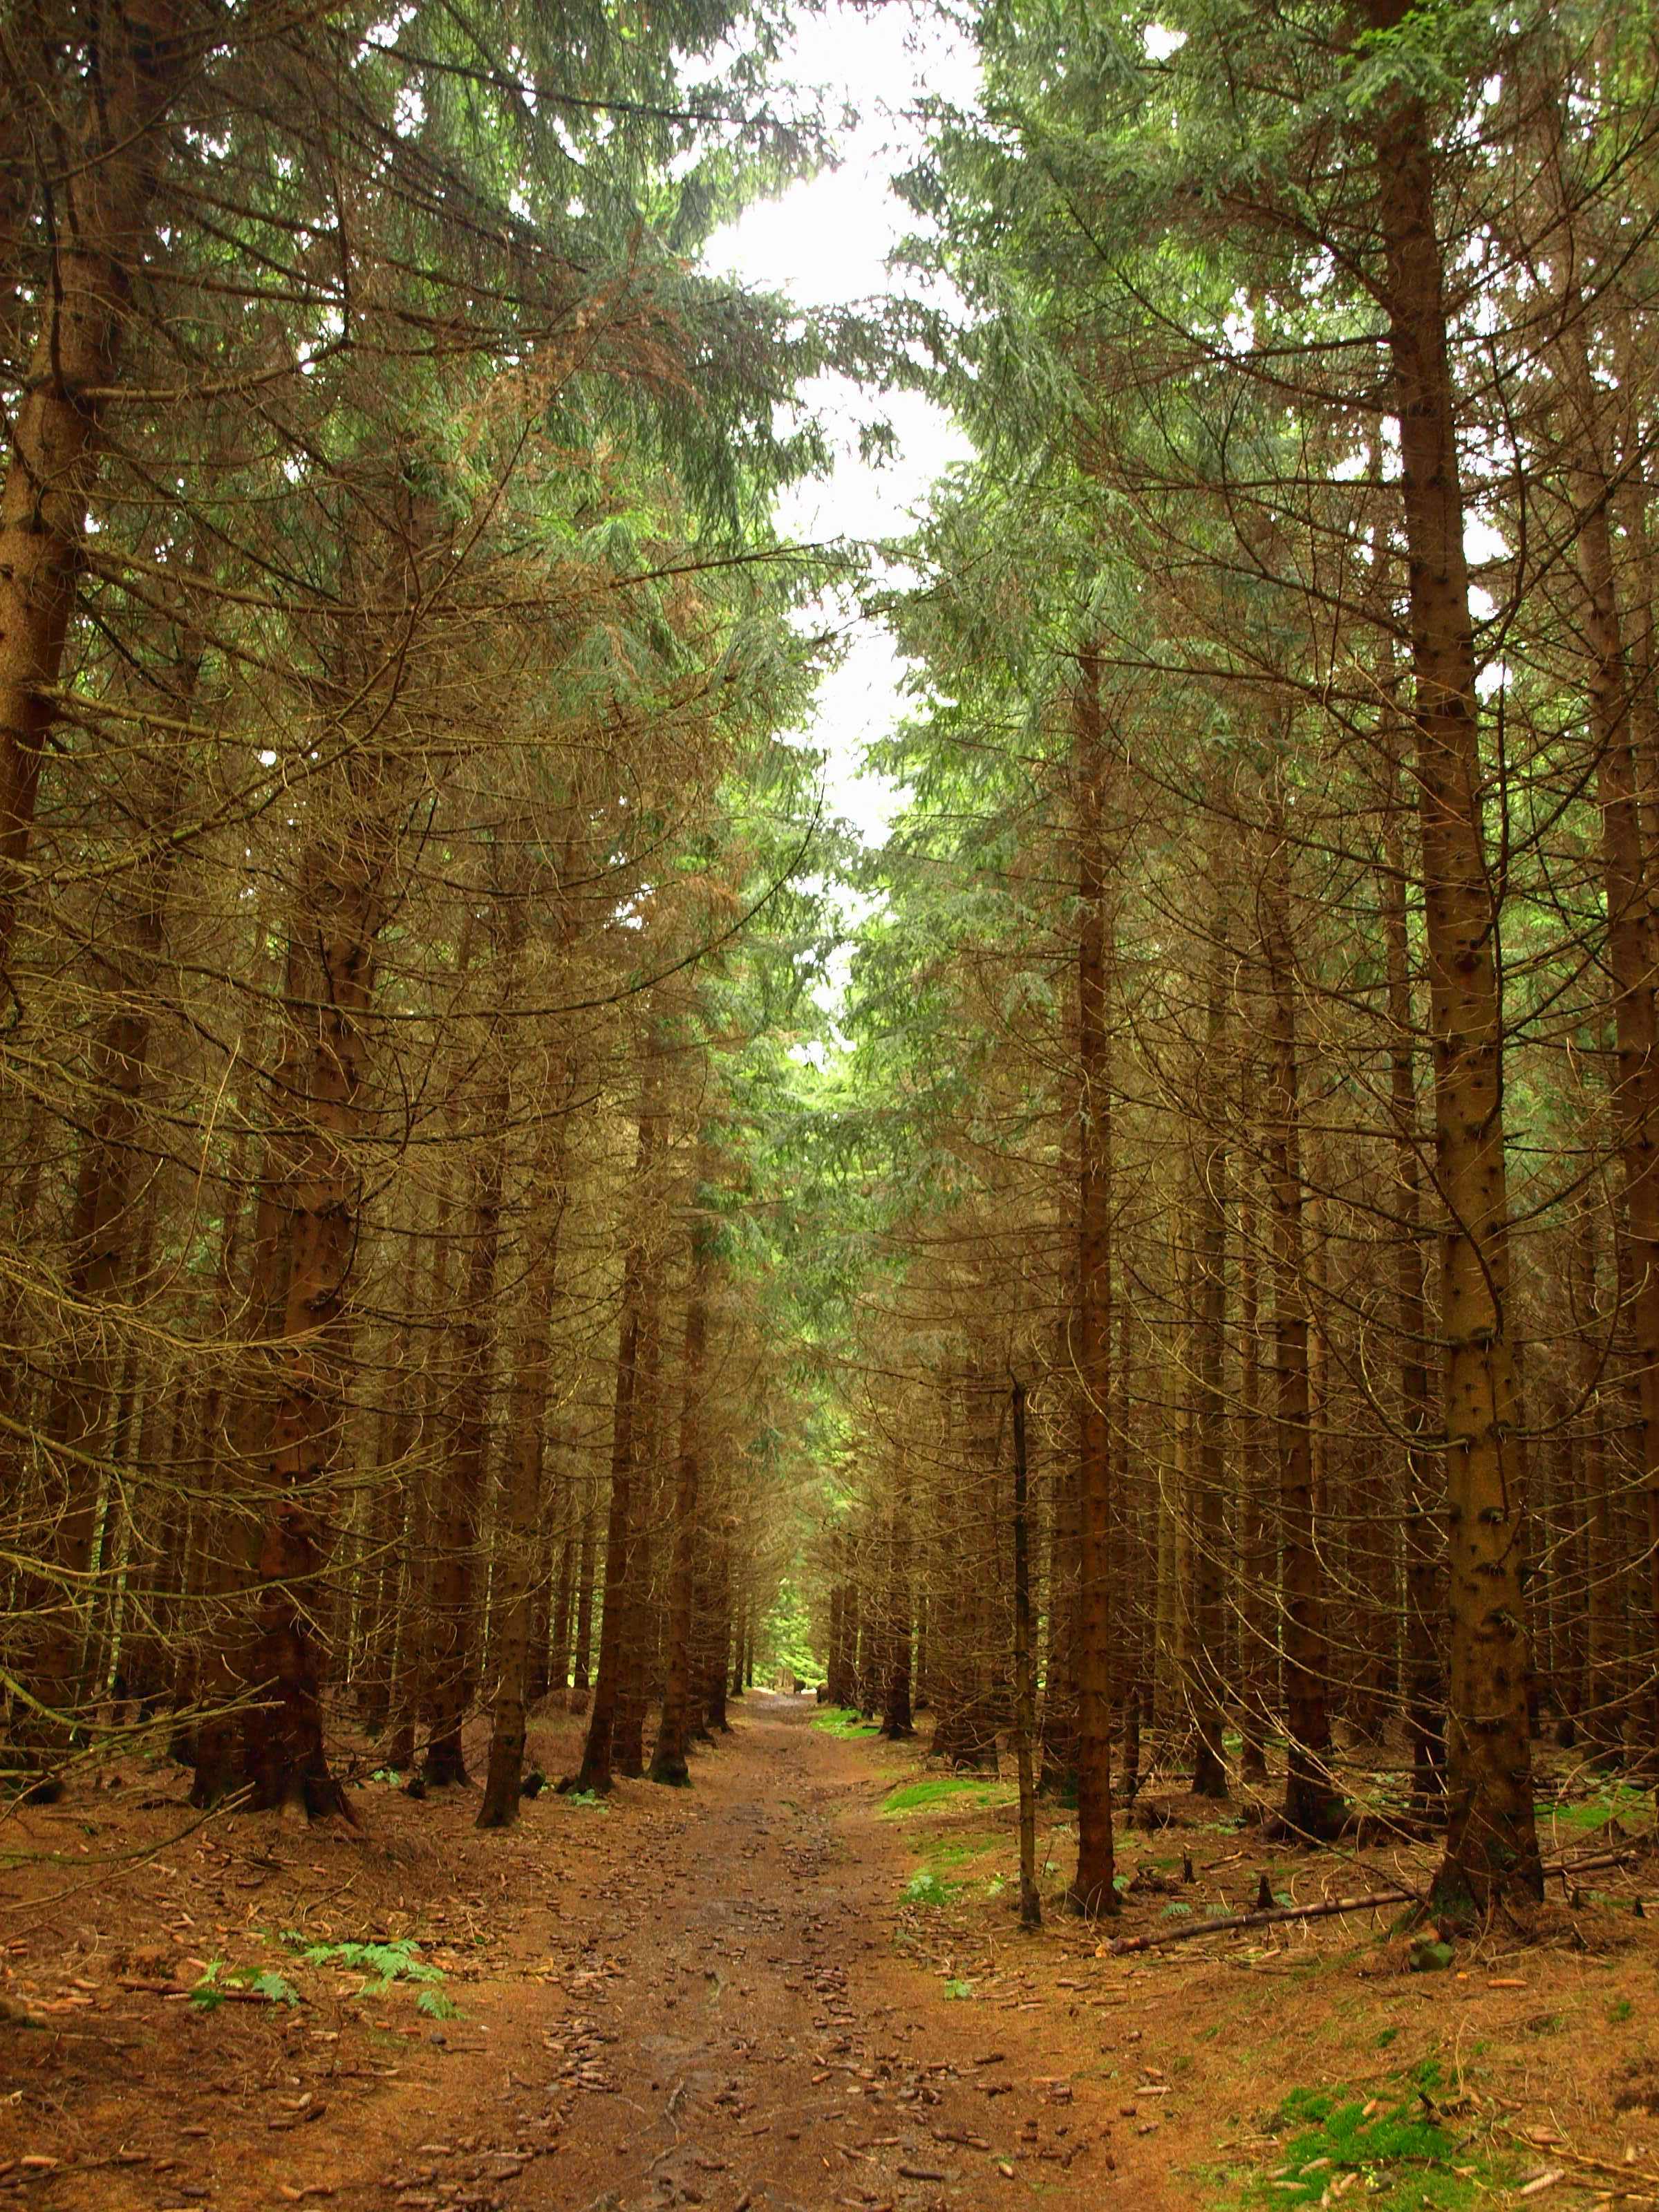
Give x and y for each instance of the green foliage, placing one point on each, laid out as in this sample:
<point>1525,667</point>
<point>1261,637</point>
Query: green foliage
<point>842,1720</point>
<point>436,2006</point>
<point>785,1637</point>
<point>1429,1957</point>
<point>1617,1800</point>
<point>1397,2144</point>
<point>958,1989</point>
<point>217,1980</point>
<point>937,1789</point>
<point>397,1959</point>
<point>925,1887</point>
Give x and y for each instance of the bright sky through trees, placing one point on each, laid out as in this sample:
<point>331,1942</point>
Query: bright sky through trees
<point>826,243</point>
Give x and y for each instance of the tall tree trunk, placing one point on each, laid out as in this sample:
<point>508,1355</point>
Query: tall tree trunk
<point>522,1553</point>
<point>1258,1552</point>
<point>1206,1681</point>
<point>114,153</point>
<point>1313,1806</point>
<point>668,1759</point>
<point>636,1656</point>
<point>1030,1905</point>
<point>898,1719</point>
<point>595,1771</point>
<point>452,1655</point>
<point>283,1749</point>
<point>1491,1843</point>
<point>1092,1891</point>
<point>1629,921</point>
<point>1425,1680</point>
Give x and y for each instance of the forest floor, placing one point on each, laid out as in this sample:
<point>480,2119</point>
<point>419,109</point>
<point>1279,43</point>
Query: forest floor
<point>797,1985</point>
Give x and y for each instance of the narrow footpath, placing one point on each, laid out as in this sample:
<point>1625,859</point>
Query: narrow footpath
<point>747,2033</point>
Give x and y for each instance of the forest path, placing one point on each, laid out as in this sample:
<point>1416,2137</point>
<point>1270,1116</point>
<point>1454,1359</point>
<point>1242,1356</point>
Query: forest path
<point>720,1996</point>
<point>740,2032</point>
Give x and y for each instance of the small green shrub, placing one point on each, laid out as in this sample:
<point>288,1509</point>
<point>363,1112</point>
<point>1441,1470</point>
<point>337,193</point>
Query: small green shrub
<point>938,1789</point>
<point>1398,2145</point>
<point>924,1888</point>
<point>844,1721</point>
<point>399,1960</point>
<point>218,1980</point>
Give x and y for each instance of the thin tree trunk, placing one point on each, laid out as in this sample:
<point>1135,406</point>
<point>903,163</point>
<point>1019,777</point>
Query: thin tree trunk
<point>1031,1904</point>
<point>1205,1675</point>
<point>668,1759</point>
<point>1425,1681</point>
<point>452,1655</point>
<point>1092,1891</point>
<point>1313,1806</point>
<point>595,1771</point>
<point>522,1553</point>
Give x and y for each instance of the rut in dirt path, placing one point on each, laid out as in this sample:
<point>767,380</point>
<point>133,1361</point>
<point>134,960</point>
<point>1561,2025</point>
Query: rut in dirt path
<point>742,2034</point>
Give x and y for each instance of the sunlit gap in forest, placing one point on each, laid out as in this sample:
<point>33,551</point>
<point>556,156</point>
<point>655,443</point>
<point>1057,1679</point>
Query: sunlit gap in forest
<point>829,916</point>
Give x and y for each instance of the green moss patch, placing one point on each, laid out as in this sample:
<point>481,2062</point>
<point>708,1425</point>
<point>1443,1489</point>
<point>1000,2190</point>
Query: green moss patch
<point>844,1721</point>
<point>942,1790</point>
<point>1399,2145</point>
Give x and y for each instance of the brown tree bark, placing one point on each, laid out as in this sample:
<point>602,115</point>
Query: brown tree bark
<point>1258,1561</point>
<point>1092,1891</point>
<point>637,1655</point>
<point>1313,1806</point>
<point>897,1718</point>
<point>668,1758</point>
<point>1031,1904</point>
<point>595,1772</point>
<point>1631,947</point>
<point>1492,1843</point>
<point>114,153</point>
<point>451,1654</point>
<point>1206,1665</point>
<point>521,1553</point>
<point>1425,1700</point>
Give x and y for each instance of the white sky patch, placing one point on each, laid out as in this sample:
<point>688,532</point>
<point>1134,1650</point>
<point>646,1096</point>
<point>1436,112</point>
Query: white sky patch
<point>1160,42</point>
<point>825,243</point>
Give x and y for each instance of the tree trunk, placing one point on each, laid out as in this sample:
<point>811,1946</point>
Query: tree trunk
<point>1030,1905</point>
<point>595,1772</point>
<point>451,1659</point>
<point>668,1759</point>
<point>113,155</point>
<point>522,1553</point>
<point>1205,1681</point>
<point>1313,1806</point>
<point>1092,1891</point>
<point>1492,1843</point>
<point>282,1751</point>
<point>1425,1680</point>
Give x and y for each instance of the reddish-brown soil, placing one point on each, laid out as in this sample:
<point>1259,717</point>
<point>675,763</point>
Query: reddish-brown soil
<point>719,1996</point>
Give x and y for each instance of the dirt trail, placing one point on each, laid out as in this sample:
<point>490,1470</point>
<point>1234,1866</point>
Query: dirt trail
<point>705,1997</point>
<point>743,2034</point>
<point>719,1996</point>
